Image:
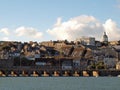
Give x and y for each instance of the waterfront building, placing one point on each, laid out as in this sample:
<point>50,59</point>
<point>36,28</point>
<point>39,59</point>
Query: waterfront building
<point>66,64</point>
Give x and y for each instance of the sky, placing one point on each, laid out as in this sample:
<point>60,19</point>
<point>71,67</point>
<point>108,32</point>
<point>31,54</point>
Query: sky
<point>44,20</point>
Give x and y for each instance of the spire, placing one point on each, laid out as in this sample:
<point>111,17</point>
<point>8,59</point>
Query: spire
<point>104,33</point>
<point>105,37</point>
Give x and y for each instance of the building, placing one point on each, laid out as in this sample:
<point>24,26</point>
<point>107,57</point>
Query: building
<point>117,49</point>
<point>113,43</point>
<point>86,40</point>
<point>110,62</point>
<point>105,38</point>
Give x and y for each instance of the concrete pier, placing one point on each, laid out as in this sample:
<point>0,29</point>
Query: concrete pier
<point>2,74</point>
<point>23,74</point>
<point>45,74</point>
<point>85,74</point>
<point>65,74</point>
<point>12,74</point>
<point>76,74</point>
<point>34,74</point>
<point>56,73</point>
<point>95,73</point>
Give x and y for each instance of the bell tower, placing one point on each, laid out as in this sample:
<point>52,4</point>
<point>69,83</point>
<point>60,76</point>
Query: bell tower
<point>105,38</point>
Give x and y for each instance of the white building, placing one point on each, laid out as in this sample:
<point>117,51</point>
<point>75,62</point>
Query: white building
<point>86,40</point>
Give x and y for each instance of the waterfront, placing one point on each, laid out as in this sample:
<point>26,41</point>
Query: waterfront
<point>59,83</point>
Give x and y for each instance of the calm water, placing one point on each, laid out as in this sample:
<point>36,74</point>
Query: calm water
<point>59,83</point>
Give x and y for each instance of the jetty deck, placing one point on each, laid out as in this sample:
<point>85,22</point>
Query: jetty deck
<point>56,72</point>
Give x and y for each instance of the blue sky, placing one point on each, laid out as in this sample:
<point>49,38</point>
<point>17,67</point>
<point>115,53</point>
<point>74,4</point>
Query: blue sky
<point>25,20</point>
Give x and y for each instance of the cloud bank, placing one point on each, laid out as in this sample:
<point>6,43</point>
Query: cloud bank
<point>21,34</point>
<point>71,29</point>
<point>28,32</point>
<point>5,31</point>
<point>84,26</point>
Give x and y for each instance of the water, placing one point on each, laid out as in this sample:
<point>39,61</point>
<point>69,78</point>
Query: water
<point>59,83</point>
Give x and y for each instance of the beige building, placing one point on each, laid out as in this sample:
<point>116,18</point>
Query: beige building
<point>113,43</point>
<point>48,43</point>
<point>86,40</point>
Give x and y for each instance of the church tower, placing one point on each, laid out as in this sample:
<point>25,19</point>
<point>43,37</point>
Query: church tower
<point>105,38</point>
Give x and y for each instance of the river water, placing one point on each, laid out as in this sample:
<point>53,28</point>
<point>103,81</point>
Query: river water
<point>59,83</point>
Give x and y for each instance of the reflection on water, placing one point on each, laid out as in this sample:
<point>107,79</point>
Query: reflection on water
<point>59,83</point>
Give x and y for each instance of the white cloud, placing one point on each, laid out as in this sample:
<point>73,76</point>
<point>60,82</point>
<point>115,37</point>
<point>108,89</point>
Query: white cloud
<point>5,31</point>
<point>76,27</point>
<point>28,32</point>
<point>73,28</point>
<point>84,26</point>
<point>58,21</point>
<point>20,34</point>
<point>112,29</point>
<point>5,39</point>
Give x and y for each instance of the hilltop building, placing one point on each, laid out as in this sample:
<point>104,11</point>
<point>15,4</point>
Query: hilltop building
<point>105,38</point>
<point>86,40</point>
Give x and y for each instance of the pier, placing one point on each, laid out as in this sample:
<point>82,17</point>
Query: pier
<point>57,73</point>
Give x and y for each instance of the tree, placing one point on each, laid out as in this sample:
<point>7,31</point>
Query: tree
<point>98,65</point>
